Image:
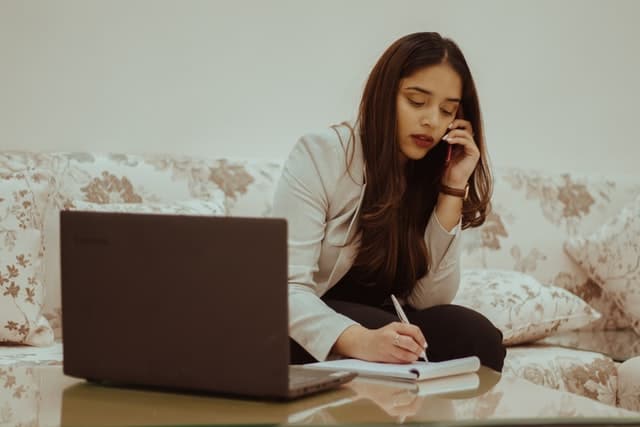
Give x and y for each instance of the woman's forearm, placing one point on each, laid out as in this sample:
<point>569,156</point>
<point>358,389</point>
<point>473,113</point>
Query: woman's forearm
<point>448,210</point>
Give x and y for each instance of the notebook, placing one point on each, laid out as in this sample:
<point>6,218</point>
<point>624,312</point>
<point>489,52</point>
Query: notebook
<point>183,302</point>
<point>435,386</point>
<point>416,371</point>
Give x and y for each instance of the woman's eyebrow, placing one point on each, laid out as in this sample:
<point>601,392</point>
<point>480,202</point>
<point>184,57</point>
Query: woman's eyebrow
<point>428,92</point>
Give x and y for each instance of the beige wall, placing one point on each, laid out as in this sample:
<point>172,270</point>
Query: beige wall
<point>243,78</point>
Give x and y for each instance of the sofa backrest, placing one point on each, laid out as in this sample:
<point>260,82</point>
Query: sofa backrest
<point>533,212</point>
<point>533,215</point>
<point>245,186</point>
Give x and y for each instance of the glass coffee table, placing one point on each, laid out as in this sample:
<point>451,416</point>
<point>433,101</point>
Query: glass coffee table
<point>49,398</point>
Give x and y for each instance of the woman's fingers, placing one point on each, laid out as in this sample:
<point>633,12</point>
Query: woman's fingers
<point>401,355</point>
<point>461,124</point>
<point>458,133</point>
<point>414,332</point>
<point>408,344</point>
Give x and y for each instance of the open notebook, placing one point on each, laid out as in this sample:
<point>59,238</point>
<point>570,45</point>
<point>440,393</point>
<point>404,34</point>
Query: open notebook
<point>416,371</point>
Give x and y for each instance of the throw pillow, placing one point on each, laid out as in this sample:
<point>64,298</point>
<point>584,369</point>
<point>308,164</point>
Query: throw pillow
<point>21,289</point>
<point>521,307</point>
<point>611,258</point>
<point>23,200</point>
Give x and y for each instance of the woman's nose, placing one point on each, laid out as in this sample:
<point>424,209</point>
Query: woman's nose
<point>429,118</point>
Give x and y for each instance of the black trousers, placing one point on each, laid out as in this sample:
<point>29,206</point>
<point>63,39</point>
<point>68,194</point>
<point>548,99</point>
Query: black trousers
<point>451,331</point>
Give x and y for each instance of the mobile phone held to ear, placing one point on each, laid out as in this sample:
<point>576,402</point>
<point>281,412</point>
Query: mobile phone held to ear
<point>459,115</point>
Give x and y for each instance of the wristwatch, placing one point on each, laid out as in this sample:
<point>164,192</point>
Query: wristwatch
<point>457,192</point>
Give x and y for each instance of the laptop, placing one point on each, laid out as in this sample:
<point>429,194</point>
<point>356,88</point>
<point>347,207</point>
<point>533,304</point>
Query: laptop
<point>194,303</point>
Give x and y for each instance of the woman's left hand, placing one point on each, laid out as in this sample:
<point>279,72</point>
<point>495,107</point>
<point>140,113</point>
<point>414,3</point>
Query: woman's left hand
<point>465,154</point>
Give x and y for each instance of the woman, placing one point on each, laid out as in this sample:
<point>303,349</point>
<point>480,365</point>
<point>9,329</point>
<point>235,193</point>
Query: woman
<point>377,209</point>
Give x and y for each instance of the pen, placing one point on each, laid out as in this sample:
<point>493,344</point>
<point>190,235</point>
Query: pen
<point>403,318</point>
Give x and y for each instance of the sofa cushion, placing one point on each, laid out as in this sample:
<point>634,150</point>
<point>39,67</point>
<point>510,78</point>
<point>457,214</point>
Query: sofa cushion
<point>611,257</point>
<point>14,354</point>
<point>248,185</point>
<point>23,201</point>
<point>21,289</point>
<point>521,307</point>
<point>588,374</point>
<point>533,213</point>
<point>629,384</point>
<point>620,345</point>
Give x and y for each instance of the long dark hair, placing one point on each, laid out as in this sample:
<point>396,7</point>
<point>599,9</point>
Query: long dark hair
<point>398,200</point>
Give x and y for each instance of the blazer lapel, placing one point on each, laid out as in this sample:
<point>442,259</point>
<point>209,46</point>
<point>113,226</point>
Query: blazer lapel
<point>347,253</point>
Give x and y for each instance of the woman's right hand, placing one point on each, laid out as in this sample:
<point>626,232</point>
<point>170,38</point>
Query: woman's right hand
<point>395,342</point>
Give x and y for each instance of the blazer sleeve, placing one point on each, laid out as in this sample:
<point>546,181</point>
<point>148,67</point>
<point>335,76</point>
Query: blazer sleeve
<point>440,284</point>
<point>302,195</point>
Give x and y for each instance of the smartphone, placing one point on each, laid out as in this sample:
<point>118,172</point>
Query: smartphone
<point>459,115</point>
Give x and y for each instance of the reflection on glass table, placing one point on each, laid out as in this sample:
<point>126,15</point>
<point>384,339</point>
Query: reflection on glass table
<point>498,399</point>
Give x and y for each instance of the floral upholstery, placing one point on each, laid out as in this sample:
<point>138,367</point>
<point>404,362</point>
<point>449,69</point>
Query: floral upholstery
<point>245,186</point>
<point>533,214</point>
<point>581,372</point>
<point>629,384</point>
<point>512,398</point>
<point>611,257</point>
<point>19,393</point>
<point>620,345</point>
<point>22,290</point>
<point>23,198</point>
<point>521,307</point>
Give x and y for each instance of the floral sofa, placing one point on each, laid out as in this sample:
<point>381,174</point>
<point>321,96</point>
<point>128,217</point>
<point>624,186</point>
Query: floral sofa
<point>518,270</point>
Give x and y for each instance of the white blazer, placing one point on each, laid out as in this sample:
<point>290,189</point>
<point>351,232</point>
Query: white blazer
<point>320,200</point>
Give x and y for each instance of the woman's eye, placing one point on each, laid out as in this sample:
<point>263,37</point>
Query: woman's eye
<point>447,113</point>
<point>415,103</point>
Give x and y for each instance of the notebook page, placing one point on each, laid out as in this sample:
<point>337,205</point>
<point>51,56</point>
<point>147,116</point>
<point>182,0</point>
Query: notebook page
<point>416,371</point>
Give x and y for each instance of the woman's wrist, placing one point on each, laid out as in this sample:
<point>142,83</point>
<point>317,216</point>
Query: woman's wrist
<point>350,341</point>
<point>454,184</point>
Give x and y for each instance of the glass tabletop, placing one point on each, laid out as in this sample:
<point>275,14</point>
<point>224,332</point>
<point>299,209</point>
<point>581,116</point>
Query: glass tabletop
<point>499,400</point>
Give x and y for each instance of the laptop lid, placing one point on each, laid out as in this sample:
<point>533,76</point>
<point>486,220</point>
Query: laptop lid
<point>188,302</point>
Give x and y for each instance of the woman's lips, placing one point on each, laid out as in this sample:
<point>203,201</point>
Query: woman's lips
<point>422,141</point>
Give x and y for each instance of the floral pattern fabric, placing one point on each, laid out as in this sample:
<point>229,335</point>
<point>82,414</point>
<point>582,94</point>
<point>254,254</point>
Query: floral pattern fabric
<point>513,398</point>
<point>588,374</point>
<point>533,213</point>
<point>522,308</point>
<point>620,345</point>
<point>611,257</point>
<point>19,393</point>
<point>23,197</point>
<point>629,384</point>
<point>21,289</point>
<point>245,187</point>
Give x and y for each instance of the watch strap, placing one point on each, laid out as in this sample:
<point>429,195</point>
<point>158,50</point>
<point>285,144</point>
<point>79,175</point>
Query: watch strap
<point>463,193</point>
